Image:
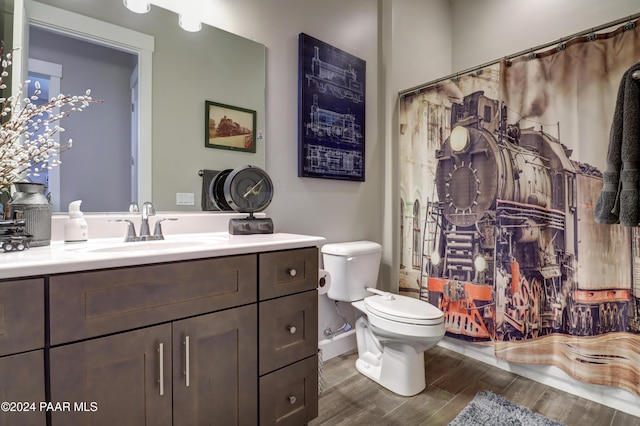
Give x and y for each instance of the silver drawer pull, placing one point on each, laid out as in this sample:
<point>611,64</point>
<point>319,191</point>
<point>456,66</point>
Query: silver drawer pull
<point>186,364</point>
<point>292,272</point>
<point>292,399</point>
<point>161,379</point>
<point>292,329</point>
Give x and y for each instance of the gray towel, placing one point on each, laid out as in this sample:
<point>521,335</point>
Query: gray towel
<point>619,200</point>
<point>630,154</point>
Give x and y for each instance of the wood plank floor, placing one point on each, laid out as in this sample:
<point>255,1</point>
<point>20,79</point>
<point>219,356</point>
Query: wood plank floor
<point>349,398</point>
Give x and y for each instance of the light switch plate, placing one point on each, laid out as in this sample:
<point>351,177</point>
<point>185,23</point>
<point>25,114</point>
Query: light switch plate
<point>185,199</point>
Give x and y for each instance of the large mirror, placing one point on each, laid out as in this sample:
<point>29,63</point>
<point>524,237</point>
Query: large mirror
<point>146,141</point>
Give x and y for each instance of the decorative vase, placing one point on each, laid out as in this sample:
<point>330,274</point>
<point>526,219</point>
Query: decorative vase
<point>30,202</point>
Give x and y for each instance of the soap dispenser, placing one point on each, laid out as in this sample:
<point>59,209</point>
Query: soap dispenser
<point>76,228</point>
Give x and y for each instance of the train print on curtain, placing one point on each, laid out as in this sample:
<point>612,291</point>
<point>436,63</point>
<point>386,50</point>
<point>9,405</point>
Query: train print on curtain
<point>506,164</point>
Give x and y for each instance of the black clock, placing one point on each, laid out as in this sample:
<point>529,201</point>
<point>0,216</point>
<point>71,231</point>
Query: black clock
<point>249,189</point>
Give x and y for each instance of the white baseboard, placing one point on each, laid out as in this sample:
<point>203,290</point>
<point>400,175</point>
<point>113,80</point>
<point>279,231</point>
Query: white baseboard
<point>616,398</point>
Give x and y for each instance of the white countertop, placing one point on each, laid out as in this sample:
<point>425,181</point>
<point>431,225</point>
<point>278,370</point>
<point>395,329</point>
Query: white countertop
<point>101,253</point>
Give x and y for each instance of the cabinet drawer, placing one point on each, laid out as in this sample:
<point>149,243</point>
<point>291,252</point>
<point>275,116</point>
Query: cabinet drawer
<point>290,396</point>
<point>94,303</point>
<point>288,330</point>
<point>21,315</point>
<point>287,272</point>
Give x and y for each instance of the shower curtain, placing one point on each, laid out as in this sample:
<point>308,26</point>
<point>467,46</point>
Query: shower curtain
<point>500,172</point>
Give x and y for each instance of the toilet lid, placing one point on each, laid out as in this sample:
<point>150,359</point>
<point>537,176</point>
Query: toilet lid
<point>404,309</point>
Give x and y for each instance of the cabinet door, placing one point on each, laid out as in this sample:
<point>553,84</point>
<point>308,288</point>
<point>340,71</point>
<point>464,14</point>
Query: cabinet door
<point>22,381</point>
<point>215,368</point>
<point>124,379</point>
<point>21,316</point>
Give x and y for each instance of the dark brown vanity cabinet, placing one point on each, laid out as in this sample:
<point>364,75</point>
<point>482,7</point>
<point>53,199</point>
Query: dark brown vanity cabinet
<point>181,343</point>
<point>228,340</point>
<point>21,352</point>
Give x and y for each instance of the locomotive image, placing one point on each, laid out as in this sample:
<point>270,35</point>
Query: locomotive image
<point>13,236</point>
<point>513,215</point>
<point>331,125</point>
<point>341,82</point>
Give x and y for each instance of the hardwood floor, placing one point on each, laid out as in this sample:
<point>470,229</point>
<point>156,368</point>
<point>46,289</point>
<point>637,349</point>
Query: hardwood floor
<point>349,398</point>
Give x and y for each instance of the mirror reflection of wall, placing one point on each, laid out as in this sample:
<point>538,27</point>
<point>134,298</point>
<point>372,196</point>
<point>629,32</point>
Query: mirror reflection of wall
<point>97,170</point>
<point>188,69</point>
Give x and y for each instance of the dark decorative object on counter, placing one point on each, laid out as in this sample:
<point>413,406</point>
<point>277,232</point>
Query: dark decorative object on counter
<point>13,236</point>
<point>30,203</point>
<point>249,189</point>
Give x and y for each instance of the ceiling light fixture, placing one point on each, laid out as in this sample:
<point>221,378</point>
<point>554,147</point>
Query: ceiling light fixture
<point>138,6</point>
<point>190,23</point>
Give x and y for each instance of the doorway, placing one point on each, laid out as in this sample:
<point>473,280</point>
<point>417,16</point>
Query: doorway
<point>101,169</point>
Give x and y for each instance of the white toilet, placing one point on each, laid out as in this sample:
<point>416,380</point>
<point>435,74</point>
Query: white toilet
<point>392,331</point>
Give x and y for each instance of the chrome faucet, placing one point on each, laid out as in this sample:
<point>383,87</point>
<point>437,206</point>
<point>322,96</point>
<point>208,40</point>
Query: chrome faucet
<point>145,235</point>
<point>147,210</point>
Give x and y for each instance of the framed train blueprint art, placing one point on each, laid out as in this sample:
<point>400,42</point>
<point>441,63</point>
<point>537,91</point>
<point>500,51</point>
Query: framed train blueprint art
<point>331,91</point>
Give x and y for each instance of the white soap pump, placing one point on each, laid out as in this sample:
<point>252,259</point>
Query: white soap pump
<point>76,228</point>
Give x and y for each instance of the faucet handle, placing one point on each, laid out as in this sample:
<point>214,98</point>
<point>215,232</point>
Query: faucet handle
<point>131,230</point>
<point>133,207</point>
<point>157,232</point>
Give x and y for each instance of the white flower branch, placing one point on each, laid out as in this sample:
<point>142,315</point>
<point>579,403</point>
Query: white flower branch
<point>27,144</point>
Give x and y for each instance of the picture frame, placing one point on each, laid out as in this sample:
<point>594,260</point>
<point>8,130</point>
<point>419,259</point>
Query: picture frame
<point>331,112</point>
<point>229,127</point>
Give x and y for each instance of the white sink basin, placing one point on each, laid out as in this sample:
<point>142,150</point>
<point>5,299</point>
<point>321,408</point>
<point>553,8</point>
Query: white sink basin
<point>150,246</point>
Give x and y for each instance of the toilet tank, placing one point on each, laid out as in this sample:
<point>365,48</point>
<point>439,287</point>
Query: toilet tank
<point>353,266</point>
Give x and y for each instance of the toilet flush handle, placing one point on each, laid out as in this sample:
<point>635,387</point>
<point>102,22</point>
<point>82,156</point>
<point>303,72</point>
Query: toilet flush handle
<point>385,294</point>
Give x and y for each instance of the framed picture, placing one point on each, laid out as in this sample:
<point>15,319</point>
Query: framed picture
<point>229,127</point>
<point>331,112</point>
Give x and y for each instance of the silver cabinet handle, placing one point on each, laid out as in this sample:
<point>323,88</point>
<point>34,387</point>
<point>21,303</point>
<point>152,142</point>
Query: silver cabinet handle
<point>292,272</point>
<point>292,399</point>
<point>186,364</point>
<point>292,329</point>
<point>161,380</point>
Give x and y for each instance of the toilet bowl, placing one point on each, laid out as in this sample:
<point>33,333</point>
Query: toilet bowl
<point>392,330</point>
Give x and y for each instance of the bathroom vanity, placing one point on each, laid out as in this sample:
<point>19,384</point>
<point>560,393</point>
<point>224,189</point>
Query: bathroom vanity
<point>223,329</point>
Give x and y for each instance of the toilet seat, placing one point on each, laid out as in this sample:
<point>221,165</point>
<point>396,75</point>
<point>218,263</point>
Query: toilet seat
<point>404,309</point>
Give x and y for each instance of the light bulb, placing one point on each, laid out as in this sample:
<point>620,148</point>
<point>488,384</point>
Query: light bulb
<point>137,6</point>
<point>189,23</point>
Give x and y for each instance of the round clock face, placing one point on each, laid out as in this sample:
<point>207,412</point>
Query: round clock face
<point>248,189</point>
